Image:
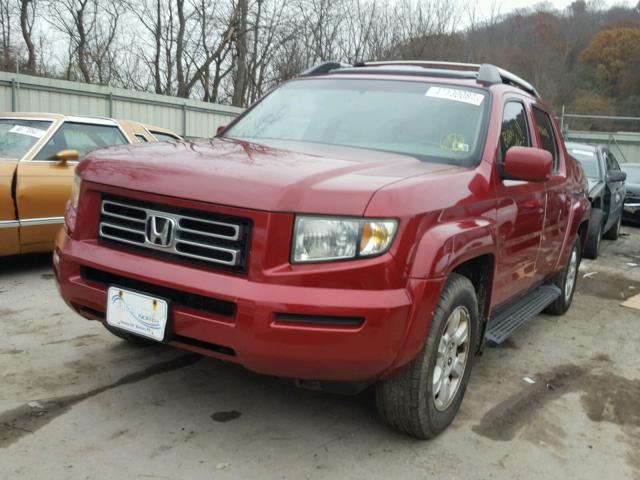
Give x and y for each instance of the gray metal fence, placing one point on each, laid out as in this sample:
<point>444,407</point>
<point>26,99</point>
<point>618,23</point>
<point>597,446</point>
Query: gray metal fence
<point>25,93</point>
<point>625,145</point>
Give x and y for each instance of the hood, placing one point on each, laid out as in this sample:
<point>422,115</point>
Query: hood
<point>633,189</point>
<point>282,176</point>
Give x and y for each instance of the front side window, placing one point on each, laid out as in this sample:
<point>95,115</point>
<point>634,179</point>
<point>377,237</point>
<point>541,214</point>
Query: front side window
<point>17,136</point>
<point>612,163</point>
<point>439,123</point>
<point>82,137</point>
<point>547,137</point>
<point>515,129</point>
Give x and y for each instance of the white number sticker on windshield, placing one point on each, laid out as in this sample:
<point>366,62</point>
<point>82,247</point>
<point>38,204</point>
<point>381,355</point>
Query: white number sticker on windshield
<point>30,131</point>
<point>456,95</point>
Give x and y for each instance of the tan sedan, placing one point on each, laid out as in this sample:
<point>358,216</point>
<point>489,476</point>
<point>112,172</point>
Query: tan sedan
<point>38,156</point>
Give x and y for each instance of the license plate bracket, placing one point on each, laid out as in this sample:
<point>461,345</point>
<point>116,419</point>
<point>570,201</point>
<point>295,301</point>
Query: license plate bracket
<point>138,313</point>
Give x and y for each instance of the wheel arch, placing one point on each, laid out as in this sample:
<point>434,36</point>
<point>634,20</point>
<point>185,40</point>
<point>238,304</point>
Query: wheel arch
<point>467,248</point>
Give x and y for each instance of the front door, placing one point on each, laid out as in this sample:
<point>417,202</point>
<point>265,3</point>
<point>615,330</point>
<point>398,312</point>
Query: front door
<point>44,184</point>
<point>520,214</point>
<point>615,189</point>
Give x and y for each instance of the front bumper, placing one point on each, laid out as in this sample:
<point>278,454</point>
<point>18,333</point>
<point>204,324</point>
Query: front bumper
<point>253,335</point>
<point>631,212</point>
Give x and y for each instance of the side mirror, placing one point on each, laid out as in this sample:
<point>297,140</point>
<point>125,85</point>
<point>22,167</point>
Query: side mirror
<point>616,176</point>
<point>64,156</point>
<point>220,130</point>
<point>526,163</point>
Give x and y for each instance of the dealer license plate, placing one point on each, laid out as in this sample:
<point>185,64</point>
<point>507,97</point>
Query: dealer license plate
<point>137,313</point>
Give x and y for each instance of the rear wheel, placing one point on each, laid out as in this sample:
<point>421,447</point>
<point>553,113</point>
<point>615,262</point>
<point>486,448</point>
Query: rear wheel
<point>566,281</point>
<point>423,398</point>
<point>614,232</point>
<point>594,235</point>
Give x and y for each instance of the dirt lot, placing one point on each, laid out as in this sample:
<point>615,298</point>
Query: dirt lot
<point>76,402</point>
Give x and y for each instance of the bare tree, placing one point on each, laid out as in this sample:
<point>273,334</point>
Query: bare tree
<point>27,18</point>
<point>6,26</point>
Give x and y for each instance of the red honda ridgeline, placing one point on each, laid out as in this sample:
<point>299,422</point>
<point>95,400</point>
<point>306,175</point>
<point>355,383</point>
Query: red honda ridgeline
<point>367,224</point>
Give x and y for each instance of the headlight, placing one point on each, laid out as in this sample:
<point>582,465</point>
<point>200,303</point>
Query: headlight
<point>75,191</point>
<point>321,239</point>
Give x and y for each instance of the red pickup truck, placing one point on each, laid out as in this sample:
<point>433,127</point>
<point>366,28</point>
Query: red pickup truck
<point>368,224</point>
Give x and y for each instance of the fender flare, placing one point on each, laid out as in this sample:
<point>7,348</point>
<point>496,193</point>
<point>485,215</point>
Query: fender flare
<point>579,211</point>
<point>456,243</point>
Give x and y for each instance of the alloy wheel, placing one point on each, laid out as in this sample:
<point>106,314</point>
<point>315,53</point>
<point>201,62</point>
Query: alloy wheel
<point>451,359</point>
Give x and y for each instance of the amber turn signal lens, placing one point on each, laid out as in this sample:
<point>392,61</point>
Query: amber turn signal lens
<point>376,237</point>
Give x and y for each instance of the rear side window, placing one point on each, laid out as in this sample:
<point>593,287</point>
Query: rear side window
<point>515,130</point>
<point>547,137</point>
<point>141,138</point>
<point>163,137</point>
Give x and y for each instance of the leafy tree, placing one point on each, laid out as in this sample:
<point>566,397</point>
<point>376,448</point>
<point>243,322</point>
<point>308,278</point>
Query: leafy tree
<point>616,56</point>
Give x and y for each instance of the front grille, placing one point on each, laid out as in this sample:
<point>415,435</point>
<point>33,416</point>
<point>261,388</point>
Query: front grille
<point>190,234</point>
<point>190,300</point>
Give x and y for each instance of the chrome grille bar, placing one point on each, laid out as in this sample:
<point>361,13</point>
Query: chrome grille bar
<point>181,234</point>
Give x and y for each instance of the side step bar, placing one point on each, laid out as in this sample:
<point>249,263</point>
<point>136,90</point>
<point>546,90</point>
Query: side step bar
<point>502,325</point>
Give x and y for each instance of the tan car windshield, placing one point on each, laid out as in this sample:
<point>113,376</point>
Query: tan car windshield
<point>18,136</point>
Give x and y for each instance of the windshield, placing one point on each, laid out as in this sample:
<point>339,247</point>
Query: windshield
<point>18,136</point>
<point>429,122</point>
<point>588,159</point>
<point>633,173</point>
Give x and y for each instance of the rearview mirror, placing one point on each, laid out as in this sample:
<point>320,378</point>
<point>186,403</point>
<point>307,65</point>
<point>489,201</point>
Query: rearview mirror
<point>64,156</point>
<point>616,176</point>
<point>526,163</point>
<point>220,130</point>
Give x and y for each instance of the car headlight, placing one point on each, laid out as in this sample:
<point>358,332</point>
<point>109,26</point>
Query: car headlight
<point>322,239</point>
<point>75,191</point>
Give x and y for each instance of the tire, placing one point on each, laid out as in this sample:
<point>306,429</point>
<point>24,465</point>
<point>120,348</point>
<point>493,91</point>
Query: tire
<point>130,338</point>
<point>614,232</point>
<point>563,282</point>
<point>406,401</point>
<point>594,235</point>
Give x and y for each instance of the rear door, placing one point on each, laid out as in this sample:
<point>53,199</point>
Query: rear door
<point>520,212</point>
<point>558,198</point>
<point>43,184</point>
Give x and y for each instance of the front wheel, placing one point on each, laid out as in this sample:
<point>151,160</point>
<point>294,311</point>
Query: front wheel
<point>614,232</point>
<point>594,235</point>
<point>566,281</point>
<point>424,398</point>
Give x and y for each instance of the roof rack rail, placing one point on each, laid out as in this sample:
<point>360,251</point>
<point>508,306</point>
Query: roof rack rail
<point>324,68</point>
<point>486,73</point>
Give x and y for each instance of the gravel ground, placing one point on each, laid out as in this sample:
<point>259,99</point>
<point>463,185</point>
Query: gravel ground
<point>76,402</point>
